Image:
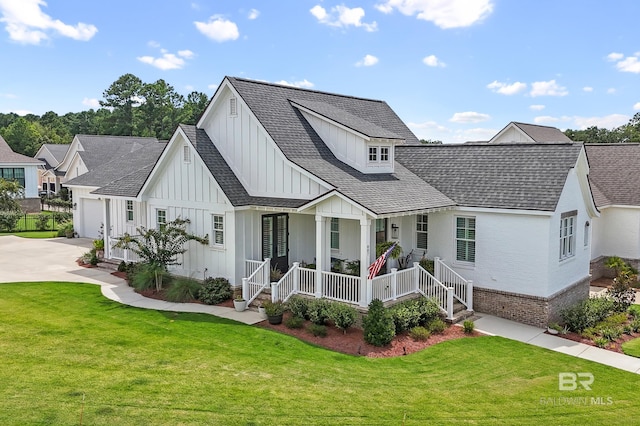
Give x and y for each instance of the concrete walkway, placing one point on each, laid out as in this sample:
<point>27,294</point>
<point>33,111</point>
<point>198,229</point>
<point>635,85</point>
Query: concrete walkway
<point>495,326</point>
<point>23,259</point>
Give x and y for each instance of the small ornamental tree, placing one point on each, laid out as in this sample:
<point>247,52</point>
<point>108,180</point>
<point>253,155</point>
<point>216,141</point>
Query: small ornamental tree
<point>160,247</point>
<point>10,192</point>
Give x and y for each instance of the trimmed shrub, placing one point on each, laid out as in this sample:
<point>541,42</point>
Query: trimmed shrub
<point>611,333</point>
<point>635,325</point>
<point>468,326</point>
<point>143,276</point>
<point>122,266</point>
<point>379,328</point>
<point>343,316</point>
<point>634,311</point>
<point>9,220</point>
<point>318,330</point>
<point>428,265</point>
<point>419,333</point>
<point>601,342</point>
<point>437,326</point>
<point>627,329</point>
<point>294,322</point>
<point>182,290</point>
<point>42,221</point>
<point>413,313</point>
<point>318,311</point>
<point>299,306</point>
<point>215,290</point>
<point>587,313</point>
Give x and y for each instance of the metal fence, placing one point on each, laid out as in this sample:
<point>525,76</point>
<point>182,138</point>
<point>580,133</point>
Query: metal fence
<point>21,222</point>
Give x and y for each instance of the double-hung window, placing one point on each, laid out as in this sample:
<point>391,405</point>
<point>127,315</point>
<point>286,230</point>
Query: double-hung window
<point>335,233</point>
<point>161,219</point>
<point>218,230</point>
<point>422,225</point>
<point>129,210</point>
<point>568,234</point>
<point>379,154</point>
<point>466,239</point>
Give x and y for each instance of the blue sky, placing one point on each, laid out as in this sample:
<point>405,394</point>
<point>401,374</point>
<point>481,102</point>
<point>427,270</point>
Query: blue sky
<point>453,70</point>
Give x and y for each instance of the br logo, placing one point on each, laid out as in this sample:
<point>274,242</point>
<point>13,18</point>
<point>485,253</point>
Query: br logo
<point>570,381</point>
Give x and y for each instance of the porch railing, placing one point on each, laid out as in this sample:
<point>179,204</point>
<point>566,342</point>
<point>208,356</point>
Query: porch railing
<point>429,286</point>
<point>462,288</point>
<point>118,253</point>
<point>257,281</point>
<point>341,287</point>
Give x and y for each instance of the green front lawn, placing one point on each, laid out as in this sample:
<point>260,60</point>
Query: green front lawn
<point>62,343</point>
<point>632,347</point>
<point>32,234</point>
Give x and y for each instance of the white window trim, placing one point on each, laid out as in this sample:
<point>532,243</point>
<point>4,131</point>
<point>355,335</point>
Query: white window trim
<point>378,160</point>
<point>127,210</point>
<point>455,238</point>
<point>215,230</point>
<point>422,232</point>
<point>567,248</point>
<point>158,223</point>
<point>336,232</point>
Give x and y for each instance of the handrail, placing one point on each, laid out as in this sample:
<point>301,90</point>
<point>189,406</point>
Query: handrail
<point>253,285</point>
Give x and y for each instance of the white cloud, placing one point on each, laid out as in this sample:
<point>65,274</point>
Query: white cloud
<point>433,61</point>
<point>608,121</point>
<point>536,107</point>
<point>91,103</point>
<point>611,90</point>
<point>628,64</point>
<point>168,61</point>
<point>636,106</point>
<point>587,89</point>
<point>342,17</point>
<point>253,14</point>
<point>444,14</point>
<point>546,119</point>
<point>428,125</point>
<point>213,86</point>
<point>304,83</point>
<point>27,23</point>
<point>507,89</point>
<point>8,96</point>
<point>218,29</point>
<point>547,88</point>
<point>469,117</point>
<point>367,61</point>
<point>615,56</point>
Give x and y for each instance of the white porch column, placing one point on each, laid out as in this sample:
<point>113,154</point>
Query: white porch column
<point>365,240</point>
<point>320,249</point>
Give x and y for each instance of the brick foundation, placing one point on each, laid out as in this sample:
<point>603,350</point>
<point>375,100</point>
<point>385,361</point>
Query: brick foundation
<point>531,310</point>
<point>598,270</point>
<point>30,205</point>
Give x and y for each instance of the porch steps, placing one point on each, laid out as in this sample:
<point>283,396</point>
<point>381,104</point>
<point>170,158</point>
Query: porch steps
<point>460,313</point>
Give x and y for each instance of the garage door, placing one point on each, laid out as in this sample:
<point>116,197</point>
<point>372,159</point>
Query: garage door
<point>91,218</point>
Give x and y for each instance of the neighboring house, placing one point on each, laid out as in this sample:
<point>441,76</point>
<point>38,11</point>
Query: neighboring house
<point>24,169</point>
<point>529,133</point>
<point>95,161</point>
<point>48,177</point>
<point>615,181</point>
<point>306,177</point>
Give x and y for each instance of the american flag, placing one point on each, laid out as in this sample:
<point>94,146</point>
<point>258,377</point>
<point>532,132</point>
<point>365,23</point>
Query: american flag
<point>374,268</point>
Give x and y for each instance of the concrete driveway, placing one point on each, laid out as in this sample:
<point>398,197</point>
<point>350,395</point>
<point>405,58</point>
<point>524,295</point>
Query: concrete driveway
<point>30,259</point>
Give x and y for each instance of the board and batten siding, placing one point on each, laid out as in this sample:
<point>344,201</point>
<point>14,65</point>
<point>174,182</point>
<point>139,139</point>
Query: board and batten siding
<point>118,217</point>
<point>185,189</point>
<point>252,154</point>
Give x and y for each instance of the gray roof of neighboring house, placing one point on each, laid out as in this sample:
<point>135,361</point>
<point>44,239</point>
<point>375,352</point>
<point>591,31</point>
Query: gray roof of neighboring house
<point>510,176</point>
<point>231,186</point>
<point>614,173</point>
<point>384,193</point>
<point>543,133</point>
<point>101,148</point>
<point>58,150</point>
<point>8,156</point>
<point>124,175</point>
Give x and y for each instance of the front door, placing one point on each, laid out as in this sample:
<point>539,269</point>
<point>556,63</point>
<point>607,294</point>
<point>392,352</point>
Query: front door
<point>275,240</point>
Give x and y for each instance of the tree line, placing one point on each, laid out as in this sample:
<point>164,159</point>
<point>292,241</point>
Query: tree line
<point>130,107</point>
<point>629,132</point>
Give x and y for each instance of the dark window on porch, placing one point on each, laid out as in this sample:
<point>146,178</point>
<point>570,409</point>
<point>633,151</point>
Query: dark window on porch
<point>335,233</point>
<point>16,174</point>
<point>422,224</point>
<point>466,239</point>
<point>381,230</point>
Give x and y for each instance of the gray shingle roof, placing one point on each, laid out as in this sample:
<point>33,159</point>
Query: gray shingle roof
<point>7,156</point>
<point>381,193</point>
<point>123,175</point>
<point>509,176</point>
<point>229,183</point>
<point>614,173</point>
<point>543,133</point>
<point>58,150</point>
<point>101,148</point>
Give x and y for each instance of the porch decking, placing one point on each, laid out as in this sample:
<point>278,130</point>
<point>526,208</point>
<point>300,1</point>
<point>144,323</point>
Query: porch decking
<point>445,286</point>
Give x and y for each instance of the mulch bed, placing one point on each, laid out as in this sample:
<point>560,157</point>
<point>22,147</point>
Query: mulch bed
<point>613,346</point>
<point>352,343</point>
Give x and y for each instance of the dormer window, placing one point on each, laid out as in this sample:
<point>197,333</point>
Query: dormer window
<point>379,154</point>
